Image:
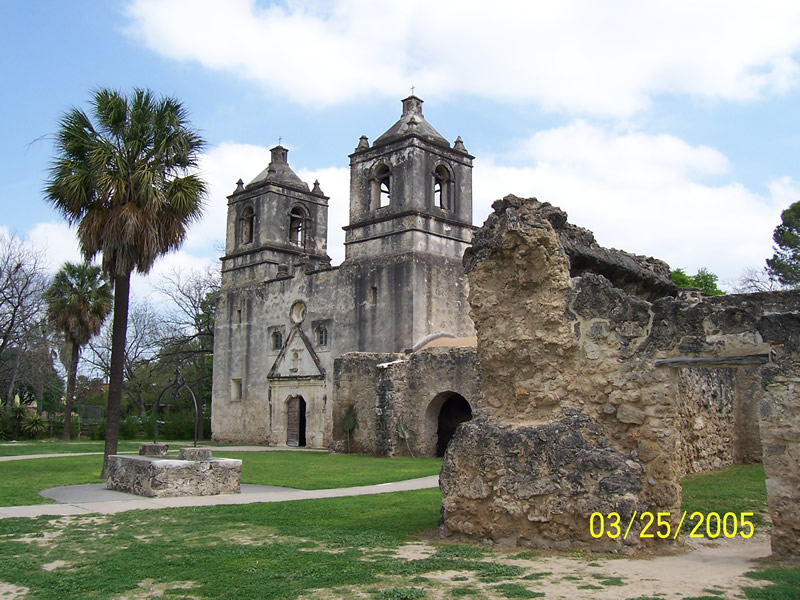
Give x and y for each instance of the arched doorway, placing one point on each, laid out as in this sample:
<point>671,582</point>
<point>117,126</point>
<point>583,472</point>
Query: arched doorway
<point>296,421</point>
<point>443,416</point>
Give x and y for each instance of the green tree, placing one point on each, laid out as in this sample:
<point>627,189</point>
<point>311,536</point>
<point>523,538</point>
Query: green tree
<point>681,279</point>
<point>704,280</point>
<point>785,262</point>
<point>78,302</point>
<point>125,178</point>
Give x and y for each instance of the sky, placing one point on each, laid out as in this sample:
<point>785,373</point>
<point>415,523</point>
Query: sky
<point>669,129</point>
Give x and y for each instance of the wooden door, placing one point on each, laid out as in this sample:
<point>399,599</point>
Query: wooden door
<point>293,427</point>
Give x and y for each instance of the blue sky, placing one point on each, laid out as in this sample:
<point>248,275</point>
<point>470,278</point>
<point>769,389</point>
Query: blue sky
<point>669,129</point>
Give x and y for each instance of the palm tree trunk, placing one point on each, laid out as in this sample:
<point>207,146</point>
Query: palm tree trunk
<point>72,377</point>
<point>119,329</point>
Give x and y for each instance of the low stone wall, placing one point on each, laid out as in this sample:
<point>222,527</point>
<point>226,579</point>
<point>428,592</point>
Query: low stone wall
<point>159,476</point>
<point>354,385</point>
<point>393,391</point>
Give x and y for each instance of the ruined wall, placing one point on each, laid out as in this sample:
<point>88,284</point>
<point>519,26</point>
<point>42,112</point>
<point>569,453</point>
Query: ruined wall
<point>706,407</point>
<point>354,385</point>
<point>408,390</point>
<point>579,338</point>
<point>780,430</point>
<point>747,429</point>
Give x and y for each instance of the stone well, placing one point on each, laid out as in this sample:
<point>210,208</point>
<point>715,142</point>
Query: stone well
<point>155,475</point>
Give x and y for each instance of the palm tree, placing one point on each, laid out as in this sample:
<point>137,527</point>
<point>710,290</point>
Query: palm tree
<point>78,301</point>
<point>126,180</point>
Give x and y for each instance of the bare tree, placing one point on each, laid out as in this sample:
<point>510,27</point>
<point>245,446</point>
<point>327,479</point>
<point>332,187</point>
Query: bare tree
<point>755,280</point>
<point>189,325</point>
<point>142,346</point>
<point>22,284</point>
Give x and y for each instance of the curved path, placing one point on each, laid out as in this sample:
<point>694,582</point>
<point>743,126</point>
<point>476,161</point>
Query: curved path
<point>95,498</point>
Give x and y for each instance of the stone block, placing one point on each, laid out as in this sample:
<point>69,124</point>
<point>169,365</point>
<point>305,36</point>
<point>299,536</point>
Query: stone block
<point>158,477</point>
<point>153,449</point>
<point>194,454</point>
<point>630,414</point>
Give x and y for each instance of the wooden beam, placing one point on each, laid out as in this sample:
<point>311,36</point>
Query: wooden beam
<point>714,361</point>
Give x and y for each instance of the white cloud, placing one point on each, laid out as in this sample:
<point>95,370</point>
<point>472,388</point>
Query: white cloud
<point>225,164</point>
<point>335,183</point>
<point>58,243</point>
<point>144,286</point>
<point>221,167</point>
<point>646,194</point>
<point>601,58</point>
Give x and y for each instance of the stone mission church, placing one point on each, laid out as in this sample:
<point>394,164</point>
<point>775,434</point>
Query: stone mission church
<point>298,341</point>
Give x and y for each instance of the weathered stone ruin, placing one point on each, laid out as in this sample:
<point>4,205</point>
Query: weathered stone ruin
<point>602,386</point>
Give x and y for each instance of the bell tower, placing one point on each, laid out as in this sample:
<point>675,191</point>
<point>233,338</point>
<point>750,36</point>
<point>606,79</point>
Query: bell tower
<point>275,223</point>
<point>410,222</point>
<point>410,191</point>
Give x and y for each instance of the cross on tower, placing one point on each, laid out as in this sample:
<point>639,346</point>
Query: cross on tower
<point>412,90</point>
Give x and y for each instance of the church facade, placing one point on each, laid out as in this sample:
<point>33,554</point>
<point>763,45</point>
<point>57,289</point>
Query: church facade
<point>286,317</point>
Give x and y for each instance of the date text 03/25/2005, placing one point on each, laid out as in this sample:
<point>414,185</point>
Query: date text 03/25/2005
<point>658,525</point>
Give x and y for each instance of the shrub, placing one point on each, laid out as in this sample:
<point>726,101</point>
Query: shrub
<point>57,426</point>
<point>34,425</point>
<point>130,428</point>
<point>97,431</point>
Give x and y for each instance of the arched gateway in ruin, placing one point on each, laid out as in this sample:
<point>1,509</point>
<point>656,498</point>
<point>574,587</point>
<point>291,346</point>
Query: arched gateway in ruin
<point>444,414</point>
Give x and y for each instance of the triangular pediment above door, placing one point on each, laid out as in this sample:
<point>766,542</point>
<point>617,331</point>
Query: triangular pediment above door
<point>297,359</point>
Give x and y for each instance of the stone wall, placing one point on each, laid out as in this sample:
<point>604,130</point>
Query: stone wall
<point>780,431</point>
<point>747,429</point>
<point>706,409</point>
<point>571,331</point>
<point>354,383</point>
<point>402,392</point>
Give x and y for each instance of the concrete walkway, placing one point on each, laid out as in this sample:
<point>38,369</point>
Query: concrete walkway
<point>93,498</point>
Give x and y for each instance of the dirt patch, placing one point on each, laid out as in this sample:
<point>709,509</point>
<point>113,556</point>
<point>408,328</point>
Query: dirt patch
<point>56,564</point>
<point>415,551</point>
<point>45,540</point>
<point>11,592</point>
<point>72,522</point>
<point>717,565</point>
<point>149,589</point>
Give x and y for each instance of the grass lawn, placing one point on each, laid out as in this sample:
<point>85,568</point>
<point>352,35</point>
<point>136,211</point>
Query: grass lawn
<point>52,446</point>
<point>253,551</point>
<point>348,546</point>
<point>317,471</point>
<point>21,481</point>
<point>736,489</point>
